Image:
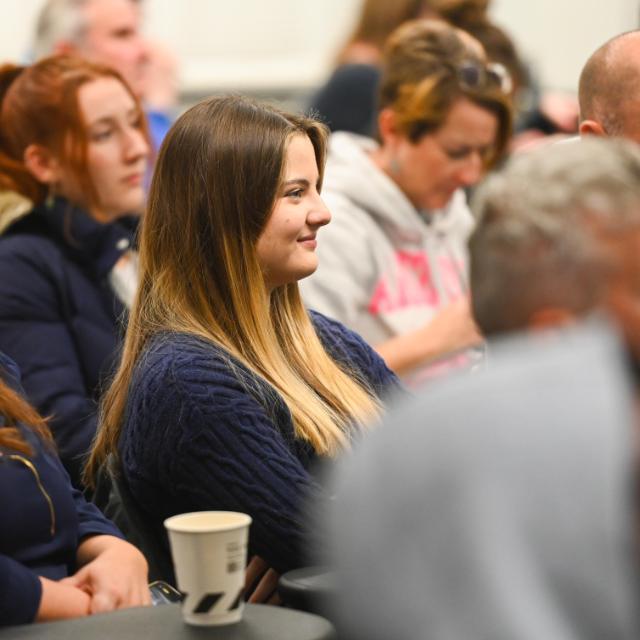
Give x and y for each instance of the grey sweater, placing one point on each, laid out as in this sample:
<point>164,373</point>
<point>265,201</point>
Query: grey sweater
<point>497,506</point>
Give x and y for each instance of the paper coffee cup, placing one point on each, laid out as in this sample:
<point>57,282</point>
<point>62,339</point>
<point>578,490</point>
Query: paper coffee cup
<point>209,550</point>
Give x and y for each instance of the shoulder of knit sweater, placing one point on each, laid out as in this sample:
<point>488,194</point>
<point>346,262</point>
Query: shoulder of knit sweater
<point>184,352</point>
<point>355,355</point>
<point>331,332</point>
<point>191,362</point>
<point>179,359</point>
<point>342,343</point>
<point>184,386</point>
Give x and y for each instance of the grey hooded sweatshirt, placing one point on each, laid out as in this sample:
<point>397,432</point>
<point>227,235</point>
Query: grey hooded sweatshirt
<point>498,506</point>
<point>384,268</point>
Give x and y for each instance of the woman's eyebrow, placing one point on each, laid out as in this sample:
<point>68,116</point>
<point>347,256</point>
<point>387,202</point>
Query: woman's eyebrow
<point>302,181</point>
<point>109,118</point>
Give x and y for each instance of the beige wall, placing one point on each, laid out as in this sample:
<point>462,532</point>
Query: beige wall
<point>558,36</point>
<point>281,44</point>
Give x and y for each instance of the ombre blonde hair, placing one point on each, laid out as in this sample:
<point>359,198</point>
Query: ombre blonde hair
<point>215,184</point>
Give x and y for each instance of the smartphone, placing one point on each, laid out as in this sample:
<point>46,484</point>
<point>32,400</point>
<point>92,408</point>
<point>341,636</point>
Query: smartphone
<point>163,593</point>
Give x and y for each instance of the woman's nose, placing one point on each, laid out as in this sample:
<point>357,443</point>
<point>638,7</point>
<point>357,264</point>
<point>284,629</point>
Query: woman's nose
<point>319,214</point>
<point>136,145</point>
<point>471,172</point>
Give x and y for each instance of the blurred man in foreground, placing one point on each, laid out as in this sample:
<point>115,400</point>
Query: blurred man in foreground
<point>503,505</point>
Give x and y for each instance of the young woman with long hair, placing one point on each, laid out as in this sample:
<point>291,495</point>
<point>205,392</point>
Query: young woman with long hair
<point>73,152</point>
<point>59,556</point>
<point>229,389</point>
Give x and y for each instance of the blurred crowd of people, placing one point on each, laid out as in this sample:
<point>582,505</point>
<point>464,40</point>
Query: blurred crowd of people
<point>302,318</point>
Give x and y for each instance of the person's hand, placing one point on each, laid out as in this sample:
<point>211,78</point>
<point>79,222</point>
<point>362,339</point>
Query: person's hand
<point>450,330</point>
<point>453,328</point>
<point>61,601</point>
<point>115,575</point>
<point>261,582</point>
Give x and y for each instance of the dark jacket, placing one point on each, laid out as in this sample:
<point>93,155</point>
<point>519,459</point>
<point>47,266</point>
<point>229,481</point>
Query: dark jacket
<point>59,319</point>
<point>348,101</point>
<point>37,538</point>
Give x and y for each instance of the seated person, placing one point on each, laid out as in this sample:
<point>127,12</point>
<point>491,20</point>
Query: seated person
<point>73,155</point>
<point>109,32</point>
<point>229,391</point>
<point>59,556</point>
<point>347,102</point>
<point>394,265</point>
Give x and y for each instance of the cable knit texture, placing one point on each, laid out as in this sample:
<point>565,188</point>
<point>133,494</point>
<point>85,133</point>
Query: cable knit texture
<point>201,432</point>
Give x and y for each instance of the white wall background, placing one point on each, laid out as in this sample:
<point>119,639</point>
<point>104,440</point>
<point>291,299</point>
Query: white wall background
<point>557,36</point>
<point>266,45</point>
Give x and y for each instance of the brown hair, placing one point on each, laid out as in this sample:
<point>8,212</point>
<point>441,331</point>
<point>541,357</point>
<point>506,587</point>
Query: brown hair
<point>462,13</point>
<point>39,105</point>
<point>215,185</point>
<point>378,18</point>
<point>421,80</point>
<point>16,410</point>
<point>473,17</point>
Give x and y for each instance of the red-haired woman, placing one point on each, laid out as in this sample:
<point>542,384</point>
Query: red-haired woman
<point>73,154</point>
<point>49,530</point>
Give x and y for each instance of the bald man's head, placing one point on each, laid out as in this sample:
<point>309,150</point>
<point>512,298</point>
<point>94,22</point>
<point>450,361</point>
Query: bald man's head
<point>609,89</point>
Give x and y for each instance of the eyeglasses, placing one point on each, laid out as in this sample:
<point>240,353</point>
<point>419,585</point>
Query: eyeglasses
<point>473,75</point>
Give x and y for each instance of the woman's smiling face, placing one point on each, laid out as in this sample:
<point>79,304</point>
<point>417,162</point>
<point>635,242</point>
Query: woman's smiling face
<point>286,247</point>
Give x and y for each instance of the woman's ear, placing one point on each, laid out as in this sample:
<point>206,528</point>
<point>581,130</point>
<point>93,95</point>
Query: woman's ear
<point>42,164</point>
<point>387,127</point>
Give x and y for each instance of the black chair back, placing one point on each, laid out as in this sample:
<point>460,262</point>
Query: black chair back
<point>123,509</point>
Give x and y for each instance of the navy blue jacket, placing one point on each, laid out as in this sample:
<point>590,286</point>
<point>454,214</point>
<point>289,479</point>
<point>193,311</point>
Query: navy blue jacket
<point>59,319</point>
<point>37,539</point>
<point>202,432</point>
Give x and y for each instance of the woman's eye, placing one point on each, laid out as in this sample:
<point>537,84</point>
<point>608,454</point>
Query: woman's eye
<point>100,136</point>
<point>457,154</point>
<point>296,194</point>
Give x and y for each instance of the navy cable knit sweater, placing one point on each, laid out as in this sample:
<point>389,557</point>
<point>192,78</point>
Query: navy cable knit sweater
<point>201,432</point>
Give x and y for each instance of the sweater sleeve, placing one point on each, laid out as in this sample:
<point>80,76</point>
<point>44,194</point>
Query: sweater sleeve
<point>91,521</point>
<point>20,592</point>
<point>34,335</point>
<point>221,450</point>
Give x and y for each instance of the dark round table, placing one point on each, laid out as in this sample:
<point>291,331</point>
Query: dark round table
<point>308,589</point>
<point>259,622</point>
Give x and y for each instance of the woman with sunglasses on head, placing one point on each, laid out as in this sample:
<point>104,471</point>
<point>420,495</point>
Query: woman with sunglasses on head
<point>393,266</point>
<point>59,556</point>
<point>73,154</point>
<point>229,392</point>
